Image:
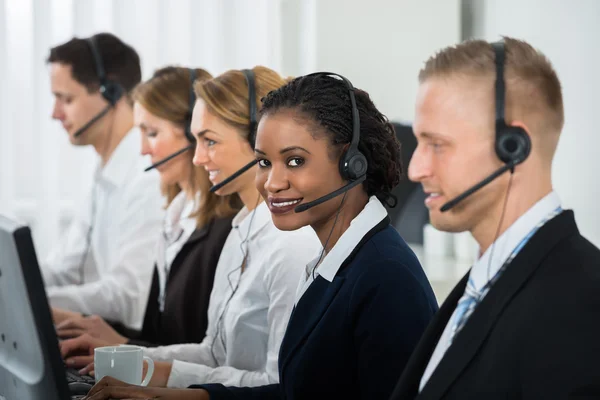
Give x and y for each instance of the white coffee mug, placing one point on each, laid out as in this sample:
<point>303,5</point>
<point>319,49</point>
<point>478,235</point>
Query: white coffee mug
<point>125,363</point>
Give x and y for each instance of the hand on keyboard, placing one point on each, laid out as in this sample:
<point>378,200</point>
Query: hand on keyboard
<point>79,352</point>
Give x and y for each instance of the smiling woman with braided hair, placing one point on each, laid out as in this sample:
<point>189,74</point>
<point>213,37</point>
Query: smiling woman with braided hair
<point>327,158</point>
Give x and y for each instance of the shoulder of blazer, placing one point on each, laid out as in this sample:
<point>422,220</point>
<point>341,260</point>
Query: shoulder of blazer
<point>381,226</point>
<point>387,243</point>
<point>220,224</point>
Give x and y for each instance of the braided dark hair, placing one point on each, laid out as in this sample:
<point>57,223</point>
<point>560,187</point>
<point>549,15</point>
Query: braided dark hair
<point>324,103</point>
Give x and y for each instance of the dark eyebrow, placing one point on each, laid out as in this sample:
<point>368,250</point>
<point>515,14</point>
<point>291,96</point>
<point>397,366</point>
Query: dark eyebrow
<point>283,151</point>
<point>292,148</point>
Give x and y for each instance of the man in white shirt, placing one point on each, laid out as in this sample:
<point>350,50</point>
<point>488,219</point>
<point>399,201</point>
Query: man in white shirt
<point>523,323</point>
<point>103,263</point>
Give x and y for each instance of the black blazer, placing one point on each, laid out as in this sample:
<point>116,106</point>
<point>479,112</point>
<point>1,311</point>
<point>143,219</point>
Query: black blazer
<point>536,334</point>
<point>349,338</point>
<point>189,284</point>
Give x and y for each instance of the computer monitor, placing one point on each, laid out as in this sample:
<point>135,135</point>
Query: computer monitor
<point>31,367</point>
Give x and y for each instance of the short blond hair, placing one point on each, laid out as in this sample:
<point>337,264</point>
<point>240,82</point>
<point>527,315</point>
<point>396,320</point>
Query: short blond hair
<point>533,90</point>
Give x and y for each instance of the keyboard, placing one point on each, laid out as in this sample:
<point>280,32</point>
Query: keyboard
<point>74,376</point>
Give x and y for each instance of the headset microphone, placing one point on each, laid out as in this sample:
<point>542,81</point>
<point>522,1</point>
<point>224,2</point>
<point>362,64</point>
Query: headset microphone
<point>234,176</point>
<point>512,144</point>
<point>342,190</point>
<point>476,187</point>
<point>169,158</point>
<point>188,128</point>
<point>92,121</point>
<point>249,75</point>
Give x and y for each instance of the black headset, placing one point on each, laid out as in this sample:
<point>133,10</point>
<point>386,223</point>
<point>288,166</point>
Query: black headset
<point>513,144</point>
<point>353,163</point>
<point>110,90</point>
<point>188,122</point>
<point>187,130</point>
<point>249,75</point>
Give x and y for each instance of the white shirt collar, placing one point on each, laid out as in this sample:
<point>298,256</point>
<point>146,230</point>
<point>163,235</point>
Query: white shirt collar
<point>509,240</point>
<point>366,220</point>
<point>125,156</point>
<point>177,220</point>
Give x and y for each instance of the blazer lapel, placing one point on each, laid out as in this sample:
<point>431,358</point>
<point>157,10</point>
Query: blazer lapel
<point>199,233</point>
<point>315,302</point>
<point>408,385</point>
<point>307,314</point>
<point>470,339</point>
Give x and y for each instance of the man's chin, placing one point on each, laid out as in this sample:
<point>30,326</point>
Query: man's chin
<point>77,141</point>
<point>447,223</point>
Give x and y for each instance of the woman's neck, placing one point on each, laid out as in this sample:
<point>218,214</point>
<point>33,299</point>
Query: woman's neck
<point>250,197</point>
<point>331,229</point>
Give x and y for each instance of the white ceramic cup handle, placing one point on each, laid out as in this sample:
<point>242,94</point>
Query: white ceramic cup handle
<point>149,372</point>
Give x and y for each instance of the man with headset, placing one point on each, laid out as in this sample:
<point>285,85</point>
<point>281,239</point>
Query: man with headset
<point>524,322</point>
<point>103,263</point>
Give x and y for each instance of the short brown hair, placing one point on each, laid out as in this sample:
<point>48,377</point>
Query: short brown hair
<point>120,61</point>
<point>533,90</point>
<point>167,95</point>
<point>226,96</point>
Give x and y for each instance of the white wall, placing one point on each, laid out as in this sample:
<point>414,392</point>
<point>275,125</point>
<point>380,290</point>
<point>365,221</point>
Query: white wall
<point>380,45</point>
<point>568,32</point>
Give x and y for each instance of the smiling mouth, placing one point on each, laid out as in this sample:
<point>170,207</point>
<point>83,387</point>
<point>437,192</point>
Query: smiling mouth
<point>431,197</point>
<point>283,206</point>
<point>285,203</point>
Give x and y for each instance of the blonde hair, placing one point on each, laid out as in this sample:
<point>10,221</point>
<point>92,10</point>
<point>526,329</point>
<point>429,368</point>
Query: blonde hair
<point>167,96</point>
<point>533,90</point>
<point>227,96</point>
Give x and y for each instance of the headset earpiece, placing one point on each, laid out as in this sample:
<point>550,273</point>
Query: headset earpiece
<point>188,123</point>
<point>250,80</point>
<point>110,90</point>
<point>353,163</point>
<point>513,144</point>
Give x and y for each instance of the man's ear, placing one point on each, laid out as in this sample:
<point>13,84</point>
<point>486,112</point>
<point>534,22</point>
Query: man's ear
<point>520,124</point>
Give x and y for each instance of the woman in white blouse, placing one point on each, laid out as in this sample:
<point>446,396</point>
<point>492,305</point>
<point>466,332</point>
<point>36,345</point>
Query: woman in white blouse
<point>259,268</point>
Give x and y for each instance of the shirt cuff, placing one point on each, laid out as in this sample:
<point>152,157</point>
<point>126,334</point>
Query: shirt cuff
<point>184,374</point>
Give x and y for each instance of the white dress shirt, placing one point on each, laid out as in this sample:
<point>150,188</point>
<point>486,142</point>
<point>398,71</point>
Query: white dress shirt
<point>177,229</point>
<point>373,213</point>
<point>484,269</point>
<point>245,338</point>
<point>110,243</point>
